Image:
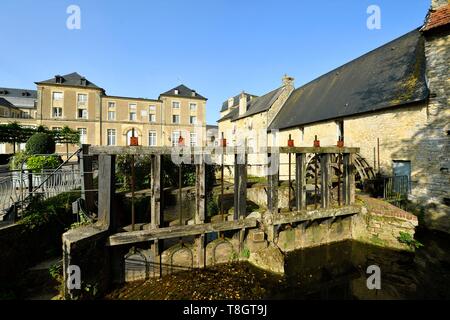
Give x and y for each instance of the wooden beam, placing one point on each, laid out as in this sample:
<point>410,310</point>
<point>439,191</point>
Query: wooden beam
<point>325,184</point>
<point>349,179</point>
<point>87,179</point>
<point>330,149</point>
<point>294,216</point>
<point>200,191</point>
<point>300,181</point>
<point>144,150</point>
<point>106,191</point>
<point>240,186</point>
<point>156,191</point>
<point>178,231</point>
<point>272,180</point>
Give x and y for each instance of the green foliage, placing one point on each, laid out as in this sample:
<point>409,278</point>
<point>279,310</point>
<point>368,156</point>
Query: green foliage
<point>57,209</point>
<point>408,239</point>
<point>40,143</point>
<point>245,253</point>
<point>211,207</point>
<point>56,271</point>
<point>38,163</point>
<point>19,158</point>
<point>15,133</point>
<point>170,173</point>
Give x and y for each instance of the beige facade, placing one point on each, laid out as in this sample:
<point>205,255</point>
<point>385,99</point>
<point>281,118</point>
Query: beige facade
<point>112,120</point>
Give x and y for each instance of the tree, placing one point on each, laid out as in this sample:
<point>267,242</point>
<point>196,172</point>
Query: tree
<point>68,136</point>
<point>40,143</point>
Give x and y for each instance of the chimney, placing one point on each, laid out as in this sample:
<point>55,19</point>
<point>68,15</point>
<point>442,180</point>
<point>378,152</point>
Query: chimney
<point>242,103</point>
<point>230,103</point>
<point>436,4</point>
<point>288,82</point>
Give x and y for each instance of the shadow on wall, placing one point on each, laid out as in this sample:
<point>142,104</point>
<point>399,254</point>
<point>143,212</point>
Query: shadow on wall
<point>428,150</point>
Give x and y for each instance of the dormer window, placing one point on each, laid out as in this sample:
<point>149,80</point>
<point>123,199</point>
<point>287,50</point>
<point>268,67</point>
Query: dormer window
<point>193,93</point>
<point>59,79</point>
<point>176,91</point>
<point>83,81</point>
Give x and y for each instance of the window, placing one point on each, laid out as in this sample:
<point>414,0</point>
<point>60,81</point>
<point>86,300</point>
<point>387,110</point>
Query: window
<point>56,112</point>
<point>175,138</point>
<point>193,139</point>
<point>152,117</point>
<point>83,135</point>
<point>152,138</point>
<point>175,118</point>
<point>152,109</point>
<point>57,96</point>
<point>192,120</point>
<point>82,98</point>
<point>111,111</point>
<point>175,105</point>
<point>302,134</point>
<point>111,137</point>
<point>133,113</point>
<point>192,106</point>
<point>82,113</point>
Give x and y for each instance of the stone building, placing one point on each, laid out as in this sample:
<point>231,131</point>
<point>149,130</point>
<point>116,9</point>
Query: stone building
<point>392,102</point>
<point>245,119</point>
<point>74,101</point>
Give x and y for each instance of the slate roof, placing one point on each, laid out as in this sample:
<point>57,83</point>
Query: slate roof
<point>254,106</point>
<point>6,103</point>
<point>71,80</point>
<point>184,92</point>
<point>21,98</point>
<point>437,18</point>
<point>389,76</point>
<point>236,101</point>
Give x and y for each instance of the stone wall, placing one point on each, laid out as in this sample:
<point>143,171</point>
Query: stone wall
<point>434,139</point>
<point>86,248</point>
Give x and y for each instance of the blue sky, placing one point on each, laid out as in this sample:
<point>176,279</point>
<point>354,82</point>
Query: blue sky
<point>217,47</point>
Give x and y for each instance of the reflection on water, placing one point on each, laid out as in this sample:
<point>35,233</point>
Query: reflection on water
<point>338,271</point>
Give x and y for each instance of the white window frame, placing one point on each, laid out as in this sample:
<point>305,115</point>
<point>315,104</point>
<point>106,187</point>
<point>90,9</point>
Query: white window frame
<point>111,109</point>
<point>83,141</point>
<point>82,94</point>
<point>57,92</point>
<point>155,136</point>
<point>193,117</point>
<point>192,108</point>
<point>176,103</point>
<point>193,139</point>
<point>175,116</point>
<point>150,116</point>
<point>130,112</point>
<point>60,115</point>
<point>175,137</point>
<point>111,134</point>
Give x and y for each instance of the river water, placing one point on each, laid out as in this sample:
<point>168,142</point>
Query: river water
<point>338,271</point>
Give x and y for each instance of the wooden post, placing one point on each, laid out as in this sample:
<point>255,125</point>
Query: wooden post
<point>155,192</point>
<point>272,180</point>
<point>201,251</point>
<point>87,179</point>
<point>300,181</point>
<point>106,191</point>
<point>325,184</point>
<point>349,179</point>
<point>240,186</point>
<point>200,190</point>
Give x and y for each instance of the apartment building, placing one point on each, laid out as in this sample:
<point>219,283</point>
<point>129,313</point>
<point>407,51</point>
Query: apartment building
<point>74,101</point>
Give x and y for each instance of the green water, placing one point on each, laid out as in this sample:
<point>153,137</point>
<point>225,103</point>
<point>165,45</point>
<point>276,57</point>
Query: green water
<point>338,271</point>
